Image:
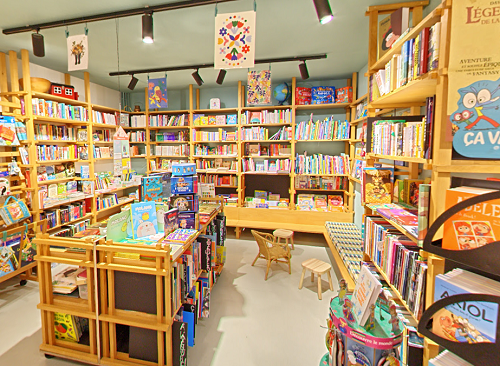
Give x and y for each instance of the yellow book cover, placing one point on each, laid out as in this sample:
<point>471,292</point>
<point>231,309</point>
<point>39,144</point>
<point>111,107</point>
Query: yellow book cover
<point>474,226</point>
<point>65,327</point>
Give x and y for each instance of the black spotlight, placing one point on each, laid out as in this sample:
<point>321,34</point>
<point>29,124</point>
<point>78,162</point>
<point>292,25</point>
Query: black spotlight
<point>38,44</point>
<point>147,28</point>
<point>197,78</point>
<point>324,11</point>
<point>221,76</point>
<point>133,82</point>
<point>303,71</point>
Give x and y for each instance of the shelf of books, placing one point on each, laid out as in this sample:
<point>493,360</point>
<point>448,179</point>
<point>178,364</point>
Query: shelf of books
<point>112,329</point>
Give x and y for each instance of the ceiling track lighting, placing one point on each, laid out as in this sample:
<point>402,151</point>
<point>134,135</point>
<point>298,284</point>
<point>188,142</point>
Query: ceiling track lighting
<point>197,77</point>
<point>304,74</point>
<point>133,83</point>
<point>38,44</point>
<point>221,76</point>
<point>208,66</point>
<point>323,10</point>
<point>147,28</point>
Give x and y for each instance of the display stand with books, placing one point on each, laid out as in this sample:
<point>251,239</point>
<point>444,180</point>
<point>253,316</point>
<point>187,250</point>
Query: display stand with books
<point>127,294</point>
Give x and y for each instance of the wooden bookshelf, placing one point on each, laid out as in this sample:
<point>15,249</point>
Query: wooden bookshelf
<point>322,106</point>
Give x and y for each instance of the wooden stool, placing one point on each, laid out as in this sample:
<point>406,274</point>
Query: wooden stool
<point>284,234</point>
<point>318,267</point>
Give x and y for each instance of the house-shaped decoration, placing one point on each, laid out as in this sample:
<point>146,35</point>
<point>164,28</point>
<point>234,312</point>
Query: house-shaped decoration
<point>65,91</point>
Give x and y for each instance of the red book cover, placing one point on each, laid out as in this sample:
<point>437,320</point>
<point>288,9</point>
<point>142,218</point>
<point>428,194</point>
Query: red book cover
<point>424,54</point>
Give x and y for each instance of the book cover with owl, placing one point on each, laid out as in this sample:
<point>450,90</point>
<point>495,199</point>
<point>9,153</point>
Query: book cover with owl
<point>144,221</point>
<point>116,228</point>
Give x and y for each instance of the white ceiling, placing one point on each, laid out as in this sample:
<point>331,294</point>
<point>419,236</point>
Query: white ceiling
<point>186,37</point>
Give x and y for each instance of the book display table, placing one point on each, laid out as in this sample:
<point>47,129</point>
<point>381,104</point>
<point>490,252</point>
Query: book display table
<point>350,344</point>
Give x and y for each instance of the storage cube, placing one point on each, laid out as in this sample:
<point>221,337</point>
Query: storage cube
<point>184,184</point>
<point>183,169</point>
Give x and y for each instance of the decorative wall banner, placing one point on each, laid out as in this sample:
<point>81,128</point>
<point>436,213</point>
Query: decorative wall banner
<point>474,79</point>
<point>78,52</point>
<point>157,93</point>
<point>235,40</point>
<point>259,87</point>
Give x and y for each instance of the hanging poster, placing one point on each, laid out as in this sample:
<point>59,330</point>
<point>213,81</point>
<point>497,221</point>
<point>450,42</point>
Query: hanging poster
<point>78,52</point>
<point>235,40</point>
<point>474,79</point>
<point>157,93</point>
<point>259,87</point>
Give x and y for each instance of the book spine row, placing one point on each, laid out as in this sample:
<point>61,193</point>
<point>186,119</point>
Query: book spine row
<point>331,183</point>
<point>103,135</point>
<point>171,136</point>
<point>105,118</point>
<point>219,180</point>
<point>54,152</point>
<point>322,164</point>
<point>164,120</point>
<point>53,132</point>
<point>267,117</point>
<point>217,150</point>
<point>102,152</point>
<point>107,201</point>
<point>399,139</point>
<point>138,121</point>
<point>139,136</point>
<point>328,129</point>
<point>208,164</point>
<point>63,215</point>
<point>271,166</point>
<point>217,136</point>
<point>102,181</point>
<point>254,133</point>
<point>180,150</point>
<point>398,257</point>
<point>48,108</point>
<point>418,57</point>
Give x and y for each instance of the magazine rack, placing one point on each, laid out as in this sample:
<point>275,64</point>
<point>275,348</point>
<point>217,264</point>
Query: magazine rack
<point>484,258</point>
<point>484,354</point>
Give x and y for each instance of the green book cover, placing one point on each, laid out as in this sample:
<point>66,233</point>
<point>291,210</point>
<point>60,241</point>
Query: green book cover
<point>116,228</point>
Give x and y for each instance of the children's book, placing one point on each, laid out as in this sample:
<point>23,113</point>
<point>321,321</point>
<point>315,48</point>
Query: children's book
<point>365,294</point>
<point>181,235</point>
<point>474,226</point>
<point>152,188</point>
<point>60,171</point>
<point>171,222</point>
<point>144,221</point>
<point>116,228</point>
<point>469,322</point>
<point>66,327</point>
<point>161,209</point>
<point>41,173</point>
<point>377,185</point>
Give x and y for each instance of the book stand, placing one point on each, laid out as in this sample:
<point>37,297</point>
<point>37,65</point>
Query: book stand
<point>355,344</point>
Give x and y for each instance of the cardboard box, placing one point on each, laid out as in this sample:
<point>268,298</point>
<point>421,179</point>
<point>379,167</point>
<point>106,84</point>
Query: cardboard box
<point>302,96</point>
<point>189,220</point>
<point>344,95</point>
<point>322,94</point>
<point>184,184</point>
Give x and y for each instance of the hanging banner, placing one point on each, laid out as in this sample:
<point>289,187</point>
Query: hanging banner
<point>78,52</point>
<point>474,79</point>
<point>157,93</point>
<point>259,87</point>
<point>235,40</point>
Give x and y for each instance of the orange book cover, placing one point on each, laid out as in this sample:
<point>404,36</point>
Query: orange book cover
<point>474,226</point>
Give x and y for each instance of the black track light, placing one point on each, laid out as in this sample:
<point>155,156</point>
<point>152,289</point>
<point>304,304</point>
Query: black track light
<point>147,28</point>
<point>303,71</point>
<point>324,11</point>
<point>197,78</point>
<point>221,76</point>
<point>133,82</point>
<point>38,44</point>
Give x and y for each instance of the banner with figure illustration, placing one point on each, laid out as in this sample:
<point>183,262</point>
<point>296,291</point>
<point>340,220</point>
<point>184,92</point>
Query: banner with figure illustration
<point>78,52</point>
<point>474,79</point>
<point>235,40</point>
<point>157,93</point>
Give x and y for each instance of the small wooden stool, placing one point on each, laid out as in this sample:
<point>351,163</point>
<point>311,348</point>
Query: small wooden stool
<point>284,234</point>
<point>318,267</point>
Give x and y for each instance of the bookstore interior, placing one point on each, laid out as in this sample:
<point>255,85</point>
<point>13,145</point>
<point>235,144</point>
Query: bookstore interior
<point>136,199</point>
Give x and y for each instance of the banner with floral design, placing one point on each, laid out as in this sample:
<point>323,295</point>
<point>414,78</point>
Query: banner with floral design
<point>235,40</point>
<point>78,52</point>
<point>259,87</point>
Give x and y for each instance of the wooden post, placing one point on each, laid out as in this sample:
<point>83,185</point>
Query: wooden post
<point>292,147</point>
<point>3,80</point>
<point>67,79</point>
<point>191,123</point>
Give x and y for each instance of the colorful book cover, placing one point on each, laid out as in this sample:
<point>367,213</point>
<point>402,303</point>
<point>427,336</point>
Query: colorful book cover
<point>65,327</point>
<point>259,87</point>
<point>232,119</point>
<point>423,211</point>
<point>469,322</point>
<point>170,220</point>
<point>157,93</point>
<point>152,188</point>
<point>377,185</point>
<point>474,226</point>
<point>144,220</point>
<point>365,294</point>
<point>116,227</point>
<point>161,209</point>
